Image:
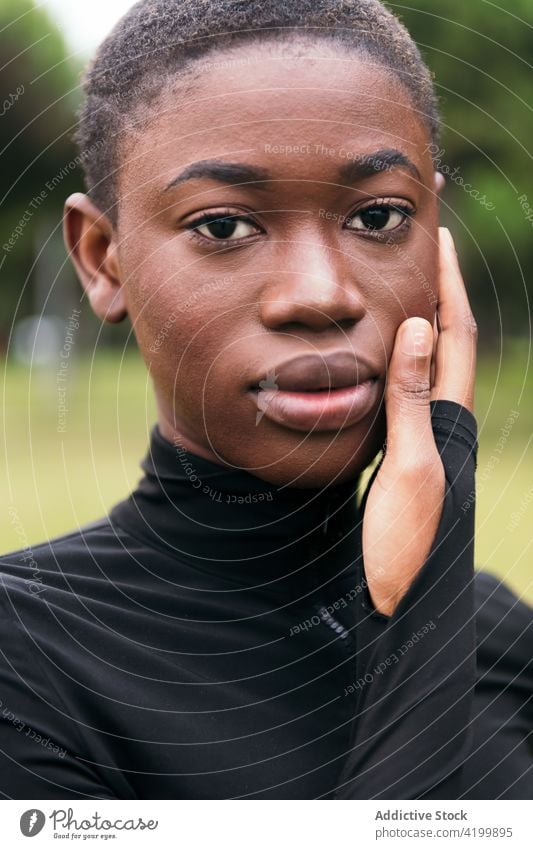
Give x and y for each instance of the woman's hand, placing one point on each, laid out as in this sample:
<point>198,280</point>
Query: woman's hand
<point>404,504</point>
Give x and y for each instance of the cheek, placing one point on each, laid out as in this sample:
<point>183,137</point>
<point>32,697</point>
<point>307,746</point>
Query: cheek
<point>417,292</point>
<point>405,285</point>
<point>410,281</point>
<point>188,343</point>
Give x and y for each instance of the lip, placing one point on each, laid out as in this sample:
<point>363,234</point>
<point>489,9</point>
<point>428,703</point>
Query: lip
<point>313,392</point>
<point>313,371</point>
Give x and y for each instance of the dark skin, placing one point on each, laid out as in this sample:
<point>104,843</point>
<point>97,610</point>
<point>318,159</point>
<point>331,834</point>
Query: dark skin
<point>301,271</point>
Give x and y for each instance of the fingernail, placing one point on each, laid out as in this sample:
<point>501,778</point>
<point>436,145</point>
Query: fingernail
<point>417,338</point>
<point>448,236</point>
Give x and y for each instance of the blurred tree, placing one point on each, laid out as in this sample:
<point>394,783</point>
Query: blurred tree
<point>482,55</point>
<point>37,103</point>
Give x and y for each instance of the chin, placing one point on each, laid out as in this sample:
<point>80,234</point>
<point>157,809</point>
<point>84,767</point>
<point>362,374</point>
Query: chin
<point>314,461</point>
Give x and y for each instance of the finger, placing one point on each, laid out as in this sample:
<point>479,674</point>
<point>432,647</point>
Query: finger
<point>407,394</point>
<point>455,356</point>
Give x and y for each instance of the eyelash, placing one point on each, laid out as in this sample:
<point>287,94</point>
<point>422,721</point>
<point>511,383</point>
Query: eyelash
<point>209,218</point>
<point>404,208</point>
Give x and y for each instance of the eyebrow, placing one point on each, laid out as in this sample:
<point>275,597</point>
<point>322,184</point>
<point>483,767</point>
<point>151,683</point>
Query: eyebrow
<point>222,172</point>
<point>233,173</point>
<point>374,163</point>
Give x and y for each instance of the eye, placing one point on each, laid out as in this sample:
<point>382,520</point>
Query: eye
<point>380,217</point>
<point>223,226</point>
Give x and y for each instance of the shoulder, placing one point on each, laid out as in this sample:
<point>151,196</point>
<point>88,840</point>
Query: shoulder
<point>504,626</point>
<point>62,600</point>
<point>496,603</point>
<point>23,562</point>
<point>91,581</point>
<point>76,563</point>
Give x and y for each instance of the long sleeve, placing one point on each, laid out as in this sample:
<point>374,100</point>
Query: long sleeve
<point>416,670</point>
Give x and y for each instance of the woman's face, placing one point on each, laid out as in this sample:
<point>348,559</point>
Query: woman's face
<point>277,223</point>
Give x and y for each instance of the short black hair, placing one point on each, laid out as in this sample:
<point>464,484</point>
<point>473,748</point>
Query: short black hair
<point>157,39</point>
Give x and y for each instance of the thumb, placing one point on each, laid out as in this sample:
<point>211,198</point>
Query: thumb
<point>407,393</point>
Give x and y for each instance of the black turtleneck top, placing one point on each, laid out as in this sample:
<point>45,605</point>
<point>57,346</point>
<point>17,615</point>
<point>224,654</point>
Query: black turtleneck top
<point>213,637</point>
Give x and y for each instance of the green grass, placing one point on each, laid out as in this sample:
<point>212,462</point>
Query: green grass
<point>504,508</point>
<point>57,481</point>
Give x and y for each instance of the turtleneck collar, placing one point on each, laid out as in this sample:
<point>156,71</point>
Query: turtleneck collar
<point>221,518</point>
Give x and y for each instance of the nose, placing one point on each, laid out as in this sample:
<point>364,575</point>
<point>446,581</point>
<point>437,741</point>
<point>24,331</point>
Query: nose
<point>312,289</point>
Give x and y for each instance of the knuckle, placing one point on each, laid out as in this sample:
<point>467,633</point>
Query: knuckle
<point>412,392</point>
<point>469,326</point>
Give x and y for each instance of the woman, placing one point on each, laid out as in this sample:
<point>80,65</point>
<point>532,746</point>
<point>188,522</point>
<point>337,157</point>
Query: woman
<point>262,204</point>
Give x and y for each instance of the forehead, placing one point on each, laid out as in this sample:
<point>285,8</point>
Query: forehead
<point>304,106</point>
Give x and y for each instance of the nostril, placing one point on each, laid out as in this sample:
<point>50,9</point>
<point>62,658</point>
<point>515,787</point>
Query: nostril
<point>346,323</point>
<point>293,327</point>
<point>303,326</point>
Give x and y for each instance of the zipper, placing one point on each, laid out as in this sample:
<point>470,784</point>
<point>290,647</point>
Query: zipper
<point>336,626</point>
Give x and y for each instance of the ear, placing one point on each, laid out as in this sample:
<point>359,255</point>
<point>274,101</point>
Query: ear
<point>91,243</point>
<point>439,182</point>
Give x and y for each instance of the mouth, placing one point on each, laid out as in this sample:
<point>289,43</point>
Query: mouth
<point>319,393</point>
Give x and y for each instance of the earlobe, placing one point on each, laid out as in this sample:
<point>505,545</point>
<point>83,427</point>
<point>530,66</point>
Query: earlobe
<point>439,183</point>
<point>91,243</point>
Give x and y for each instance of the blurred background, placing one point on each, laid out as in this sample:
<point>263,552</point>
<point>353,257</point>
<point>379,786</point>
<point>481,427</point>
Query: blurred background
<point>76,400</point>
